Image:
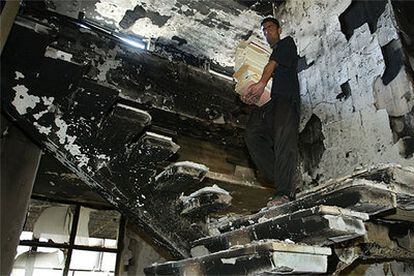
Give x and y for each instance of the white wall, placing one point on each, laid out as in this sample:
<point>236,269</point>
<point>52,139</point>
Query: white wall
<point>357,130</point>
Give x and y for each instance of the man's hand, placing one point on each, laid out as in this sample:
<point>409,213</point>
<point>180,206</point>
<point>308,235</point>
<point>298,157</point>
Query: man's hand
<point>254,92</point>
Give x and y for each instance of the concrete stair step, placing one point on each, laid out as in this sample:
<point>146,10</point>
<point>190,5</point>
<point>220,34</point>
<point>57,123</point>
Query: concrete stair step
<point>320,225</point>
<point>260,257</point>
<point>374,191</point>
<point>180,177</point>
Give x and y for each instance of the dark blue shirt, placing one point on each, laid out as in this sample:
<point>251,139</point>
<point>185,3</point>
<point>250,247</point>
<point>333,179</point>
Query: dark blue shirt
<point>285,77</point>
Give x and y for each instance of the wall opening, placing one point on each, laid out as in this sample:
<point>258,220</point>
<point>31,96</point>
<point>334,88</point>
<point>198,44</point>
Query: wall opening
<point>311,146</point>
<point>359,13</point>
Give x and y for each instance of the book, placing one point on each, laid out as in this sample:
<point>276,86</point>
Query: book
<point>251,58</point>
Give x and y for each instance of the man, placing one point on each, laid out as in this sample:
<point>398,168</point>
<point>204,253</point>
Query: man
<point>272,130</point>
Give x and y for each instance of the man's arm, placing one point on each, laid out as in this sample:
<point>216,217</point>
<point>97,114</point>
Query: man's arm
<point>255,91</point>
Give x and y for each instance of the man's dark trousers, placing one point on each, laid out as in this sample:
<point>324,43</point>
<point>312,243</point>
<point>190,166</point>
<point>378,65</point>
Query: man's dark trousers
<point>272,140</point>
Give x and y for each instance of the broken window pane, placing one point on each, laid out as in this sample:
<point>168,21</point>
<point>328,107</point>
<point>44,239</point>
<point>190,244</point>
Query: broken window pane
<point>49,222</point>
<point>98,228</point>
<point>26,235</point>
<point>43,261</point>
<point>92,261</point>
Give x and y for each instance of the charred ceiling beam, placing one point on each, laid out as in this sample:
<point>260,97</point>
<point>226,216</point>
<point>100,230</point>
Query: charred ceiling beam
<point>174,25</point>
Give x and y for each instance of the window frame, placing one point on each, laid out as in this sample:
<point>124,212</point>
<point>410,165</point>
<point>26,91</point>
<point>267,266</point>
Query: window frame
<point>73,231</point>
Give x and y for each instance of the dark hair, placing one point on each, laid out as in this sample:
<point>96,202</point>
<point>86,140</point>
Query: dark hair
<point>270,19</point>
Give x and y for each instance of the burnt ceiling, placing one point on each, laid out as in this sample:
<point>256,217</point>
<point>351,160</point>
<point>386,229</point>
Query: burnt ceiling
<point>202,33</point>
<point>131,109</point>
<point>127,110</point>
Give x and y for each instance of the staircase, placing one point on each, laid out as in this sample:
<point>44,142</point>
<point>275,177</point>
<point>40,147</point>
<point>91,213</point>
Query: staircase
<point>299,236</point>
<point>71,95</point>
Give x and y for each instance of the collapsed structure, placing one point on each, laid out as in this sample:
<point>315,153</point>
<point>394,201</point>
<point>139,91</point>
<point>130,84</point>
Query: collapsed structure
<point>148,129</point>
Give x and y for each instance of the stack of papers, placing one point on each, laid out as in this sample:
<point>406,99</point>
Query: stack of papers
<point>251,58</point>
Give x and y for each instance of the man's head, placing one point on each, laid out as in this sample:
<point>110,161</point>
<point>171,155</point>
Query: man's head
<point>271,30</point>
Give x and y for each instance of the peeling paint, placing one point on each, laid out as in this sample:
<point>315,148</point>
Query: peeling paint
<point>47,101</point>
<point>58,54</point>
<point>69,142</point>
<point>22,101</point>
<point>231,261</point>
<point>42,129</point>
<point>19,76</point>
<point>105,67</point>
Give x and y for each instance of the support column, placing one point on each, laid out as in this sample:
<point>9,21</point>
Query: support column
<point>8,14</point>
<point>19,162</point>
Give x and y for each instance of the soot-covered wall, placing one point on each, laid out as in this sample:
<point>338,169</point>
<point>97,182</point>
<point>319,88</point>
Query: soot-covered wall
<point>359,85</point>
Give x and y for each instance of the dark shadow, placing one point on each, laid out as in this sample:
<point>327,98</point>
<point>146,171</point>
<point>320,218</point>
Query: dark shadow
<point>311,146</point>
<point>393,59</point>
<point>360,12</point>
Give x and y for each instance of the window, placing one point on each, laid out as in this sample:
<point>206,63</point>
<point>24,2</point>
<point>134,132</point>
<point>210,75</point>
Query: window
<point>49,246</point>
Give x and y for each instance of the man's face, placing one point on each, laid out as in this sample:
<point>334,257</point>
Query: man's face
<point>272,32</point>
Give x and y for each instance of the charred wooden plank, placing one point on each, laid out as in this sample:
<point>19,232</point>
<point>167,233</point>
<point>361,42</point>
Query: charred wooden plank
<point>180,176</point>
<point>319,225</point>
<point>252,259</point>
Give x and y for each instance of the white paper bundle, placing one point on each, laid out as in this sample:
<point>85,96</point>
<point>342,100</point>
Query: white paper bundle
<point>251,58</point>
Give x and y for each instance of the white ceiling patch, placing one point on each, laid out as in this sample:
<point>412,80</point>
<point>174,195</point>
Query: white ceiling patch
<point>69,142</point>
<point>58,54</point>
<point>42,129</point>
<point>18,75</point>
<point>22,101</point>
